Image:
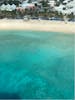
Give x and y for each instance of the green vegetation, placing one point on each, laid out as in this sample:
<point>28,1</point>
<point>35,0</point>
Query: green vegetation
<point>45,10</point>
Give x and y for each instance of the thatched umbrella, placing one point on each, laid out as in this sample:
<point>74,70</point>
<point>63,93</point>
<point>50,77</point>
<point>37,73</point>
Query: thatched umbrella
<point>8,7</point>
<point>13,6</point>
<point>3,7</point>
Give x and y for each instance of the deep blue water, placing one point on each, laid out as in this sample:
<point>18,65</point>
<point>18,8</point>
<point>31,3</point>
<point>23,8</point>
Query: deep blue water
<point>36,65</point>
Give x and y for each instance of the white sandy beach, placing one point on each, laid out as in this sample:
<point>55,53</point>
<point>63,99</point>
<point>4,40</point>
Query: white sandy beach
<point>36,25</point>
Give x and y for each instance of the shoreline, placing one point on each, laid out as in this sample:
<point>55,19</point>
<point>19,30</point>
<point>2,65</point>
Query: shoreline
<point>36,25</point>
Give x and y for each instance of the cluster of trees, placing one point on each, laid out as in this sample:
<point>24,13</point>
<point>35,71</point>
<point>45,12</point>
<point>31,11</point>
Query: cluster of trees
<point>36,12</point>
<point>46,9</point>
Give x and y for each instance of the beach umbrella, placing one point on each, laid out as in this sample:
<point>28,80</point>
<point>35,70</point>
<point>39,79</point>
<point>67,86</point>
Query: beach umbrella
<point>8,7</point>
<point>74,10</point>
<point>3,7</point>
<point>66,12</point>
<point>59,8</point>
<point>65,1</point>
<point>13,6</point>
<point>51,3</point>
<point>69,11</point>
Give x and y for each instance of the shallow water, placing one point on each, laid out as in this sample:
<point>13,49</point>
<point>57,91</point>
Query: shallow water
<point>36,65</point>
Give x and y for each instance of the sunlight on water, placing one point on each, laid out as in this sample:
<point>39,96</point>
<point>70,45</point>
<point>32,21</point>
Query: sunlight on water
<point>36,65</point>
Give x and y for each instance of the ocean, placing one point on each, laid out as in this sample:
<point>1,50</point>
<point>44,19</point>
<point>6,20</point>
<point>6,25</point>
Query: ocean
<point>36,65</point>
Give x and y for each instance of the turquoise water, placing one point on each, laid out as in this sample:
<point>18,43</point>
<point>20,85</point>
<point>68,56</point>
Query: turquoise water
<point>36,65</point>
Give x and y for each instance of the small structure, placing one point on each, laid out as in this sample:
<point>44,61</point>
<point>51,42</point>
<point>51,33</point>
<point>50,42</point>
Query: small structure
<point>7,7</point>
<point>3,7</point>
<point>13,6</point>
